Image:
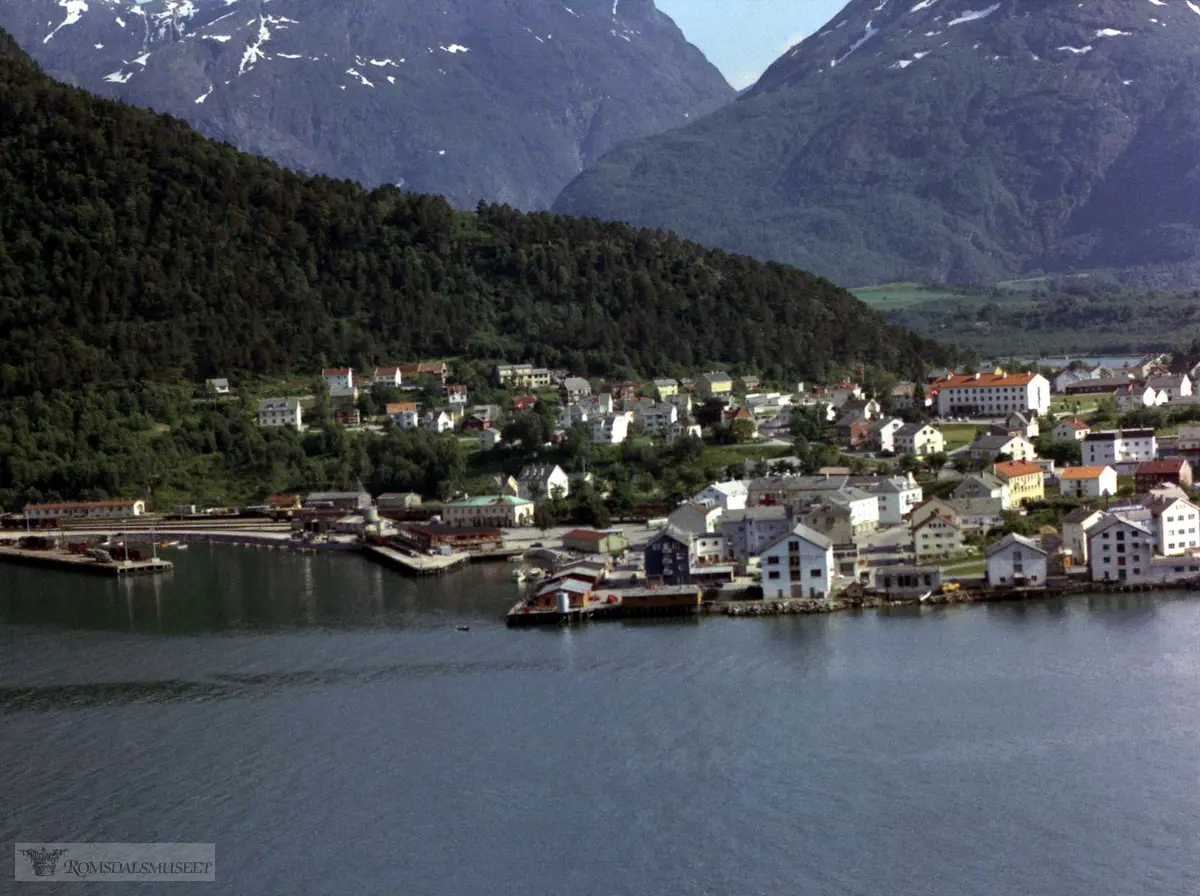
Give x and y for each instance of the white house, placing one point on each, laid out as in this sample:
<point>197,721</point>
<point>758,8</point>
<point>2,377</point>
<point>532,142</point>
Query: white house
<point>991,394</point>
<point>407,418</point>
<point>610,429</point>
<point>387,376</point>
<point>1087,482</point>
<point>1119,447</point>
<point>274,412</point>
<point>1177,521</point>
<point>457,396</point>
<point>1137,395</point>
<point>498,511</point>
<point>694,518</point>
<point>1075,526</point>
<point>217,386</point>
<point>1064,378</point>
<point>658,419</point>
<point>883,433</point>
<point>1070,430</point>
<point>438,422</point>
<point>1014,561</point>
<point>1012,447</point>
<point>1173,386</point>
<point>918,440</point>
<point>937,536</point>
<point>729,495</point>
<point>339,380</point>
<point>1120,550</point>
<point>799,564</point>
<point>897,496</point>
<point>537,482</point>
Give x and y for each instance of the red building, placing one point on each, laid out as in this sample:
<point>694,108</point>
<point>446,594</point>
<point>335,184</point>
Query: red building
<point>434,536</point>
<point>1162,472</point>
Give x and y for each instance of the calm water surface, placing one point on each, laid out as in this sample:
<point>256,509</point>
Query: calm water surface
<point>322,720</point>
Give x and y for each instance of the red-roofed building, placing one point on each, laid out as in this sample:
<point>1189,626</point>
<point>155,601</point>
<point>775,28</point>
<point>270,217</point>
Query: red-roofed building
<point>283,502</point>
<point>991,394</point>
<point>1026,481</point>
<point>1160,472</point>
<point>524,402</point>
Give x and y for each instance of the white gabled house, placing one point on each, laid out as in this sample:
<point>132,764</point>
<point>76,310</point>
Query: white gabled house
<point>539,482</point>
<point>437,422</point>
<point>338,380</point>
<point>799,564</point>
<point>1087,482</point>
<point>1015,561</point>
<point>697,519</point>
<point>730,495</point>
<point>918,440</point>
<point>276,412</point>
<point>1070,431</point>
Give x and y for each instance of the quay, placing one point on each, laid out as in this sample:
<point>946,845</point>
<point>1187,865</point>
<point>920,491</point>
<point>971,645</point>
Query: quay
<point>64,560</point>
<point>414,564</point>
<point>623,603</point>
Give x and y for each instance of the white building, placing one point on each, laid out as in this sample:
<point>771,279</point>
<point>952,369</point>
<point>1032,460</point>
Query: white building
<point>992,394</point>
<point>799,564</point>
<point>1013,447</point>
<point>1015,561</point>
<point>538,482</point>
<point>217,386</point>
<point>279,412</point>
<point>1120,550</point>
<point>85,510</point>
<point>1177,521</point>
<point>1173,386</point>
<point>1136,396</point>
<point>409,418</point>
<point>695,519</point>
<point>1070,431</point>
<point>610,429</point>
<point>338,380</point>
<point>897,496</point>
<point>496,511</point>
<point>883,433</point>
<point>437,422</point>
<point>1075,528</point>
<point>658,419</point>
<point>937,536</point>
<point>1087,482</point>
<point>1112,447</point>
<point>918,440</point>
<point>729,495</point>
<point>386,376</point>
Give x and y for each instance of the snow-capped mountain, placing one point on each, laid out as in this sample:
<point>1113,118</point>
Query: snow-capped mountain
<point>503,100</point>
<point>948,139</point>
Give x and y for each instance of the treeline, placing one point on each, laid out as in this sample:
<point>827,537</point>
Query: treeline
<point>132,249</point>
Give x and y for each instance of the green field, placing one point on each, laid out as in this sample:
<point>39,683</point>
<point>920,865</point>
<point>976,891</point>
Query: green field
<point>894,296</point>
<point>958,434</point>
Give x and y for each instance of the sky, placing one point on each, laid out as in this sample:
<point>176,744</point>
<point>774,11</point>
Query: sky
<point>743,37</point>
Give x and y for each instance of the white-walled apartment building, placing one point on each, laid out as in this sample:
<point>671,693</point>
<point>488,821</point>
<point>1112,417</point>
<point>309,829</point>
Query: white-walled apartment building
<point>338,379</point>
<point>991,394</point>
<point>523,376</point>
<point>279,412</point>
<point>85,510</point>
<point>1119,447</point>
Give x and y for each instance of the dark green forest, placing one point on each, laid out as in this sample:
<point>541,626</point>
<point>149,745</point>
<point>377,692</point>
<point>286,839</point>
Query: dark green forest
<point>133,249</point>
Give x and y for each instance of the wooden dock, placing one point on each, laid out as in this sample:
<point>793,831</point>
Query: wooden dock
<point>623,603</point>
<point>414,564</point>
<point>62,560</point>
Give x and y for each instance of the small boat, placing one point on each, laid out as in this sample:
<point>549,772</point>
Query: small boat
<point>926,596</point>
<point>462,628</point>
<point>181,547</point>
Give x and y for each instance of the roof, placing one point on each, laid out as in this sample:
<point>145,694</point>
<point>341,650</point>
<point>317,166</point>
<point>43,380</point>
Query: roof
<point>399,407</point>
<point>716,376</point>
<point>1160,467</point>
<point>69,505</point>
<point>1079,514</point>
<point>1009,469</point>
<point>283,500</point>
<point>1082,472</point>
<point>1166,382</point>
<point>994,443</point>
<point>812,536</point>
<point>576,384</point>
<point>936,516</point>
<point>983,380</point>
<point>1106,524</point>
<point>489,501</point>
<point>911,429</point>
<point>1077,425</point>
<point>218,381</point>
<point>274,404</point>
<point>987,479</point>
<point>754,513</point>
<point>587,535</point>
<point>337,371</point>
<point>539,471</point>
<point>386,371</point>
<point>674,533</point>
<point>1011,539</point>
<point>666,382</point>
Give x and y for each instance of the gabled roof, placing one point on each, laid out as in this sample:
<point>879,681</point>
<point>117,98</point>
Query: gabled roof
<point>1011,468</point>
<point>983,380</point>
<point>1106,524</point>
<point>938,518</point>
<point>1013,539</point>
<point>1077,425</point>
<point>1081,472</point>
<point>803,532</point>
<point>994,443</point>
<point>336,371</point>
<point>1079,514</point>
<point>1160,467</point>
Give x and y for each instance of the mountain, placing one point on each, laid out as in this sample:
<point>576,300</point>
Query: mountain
<point>132,249</point>
<point>953,140</point>
<point>472,99</point>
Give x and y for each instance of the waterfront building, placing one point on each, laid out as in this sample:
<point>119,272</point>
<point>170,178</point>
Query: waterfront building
<point>937,536</point>
<point>504,511</point>
<point>799,564</point>
<point>84,510</point>
<point>908,581</point>
<point>748,531</point>
<point>667,559</point>
<point>1016,560</point>
<point>589,541</point>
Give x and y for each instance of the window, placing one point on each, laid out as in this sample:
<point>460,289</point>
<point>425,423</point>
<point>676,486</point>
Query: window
<point>773,574</point>
<point>815,573</point>
<point>773,561</point>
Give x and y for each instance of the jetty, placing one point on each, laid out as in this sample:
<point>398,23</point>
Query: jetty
<point>56,558</point>
<point>623,603</point>
<point>412,563</point>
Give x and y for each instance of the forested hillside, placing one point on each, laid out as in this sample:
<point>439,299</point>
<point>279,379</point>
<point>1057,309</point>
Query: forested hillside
<point>130,247</point>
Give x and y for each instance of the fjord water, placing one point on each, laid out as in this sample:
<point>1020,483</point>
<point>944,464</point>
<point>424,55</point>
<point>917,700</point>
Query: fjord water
<point>325,724</point>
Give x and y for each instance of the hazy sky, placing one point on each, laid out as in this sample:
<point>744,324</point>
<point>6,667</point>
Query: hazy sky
<point>743,37</point>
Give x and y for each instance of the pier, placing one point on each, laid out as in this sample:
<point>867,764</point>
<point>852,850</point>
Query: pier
<point>63,560</point>
<point>624,603</point>
<point>414,564</point>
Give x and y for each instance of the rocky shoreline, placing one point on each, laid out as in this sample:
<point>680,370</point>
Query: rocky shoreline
<point>810,606</point>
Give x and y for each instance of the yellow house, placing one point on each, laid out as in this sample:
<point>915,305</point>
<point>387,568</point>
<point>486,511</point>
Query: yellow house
<point>665,388</point>
<point>1026,481</point>
<point>715,383</point>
